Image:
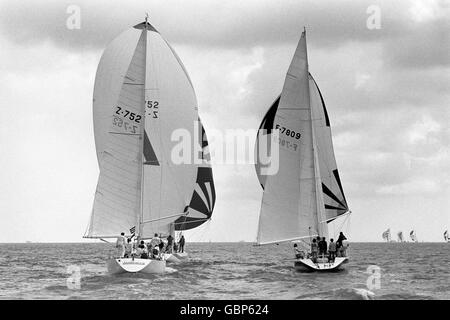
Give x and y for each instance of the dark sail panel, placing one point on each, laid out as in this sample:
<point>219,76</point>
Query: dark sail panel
<point>202,203</point>
<point>267,125</point>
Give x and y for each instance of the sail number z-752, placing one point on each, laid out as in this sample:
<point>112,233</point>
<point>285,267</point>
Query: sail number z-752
<point>153,107</point>
<point>128,114</point>
<point>125,125</point>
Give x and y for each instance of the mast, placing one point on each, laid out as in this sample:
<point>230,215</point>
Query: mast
<point>142,138</point>
<point>317,186</point>
<point>308,100</point>
<point>317,191</point>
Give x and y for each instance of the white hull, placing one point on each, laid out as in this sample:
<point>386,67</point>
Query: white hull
<point>124,265</point>
<point>181,255</point>
<point>309,265</point>
<point>175,257</point>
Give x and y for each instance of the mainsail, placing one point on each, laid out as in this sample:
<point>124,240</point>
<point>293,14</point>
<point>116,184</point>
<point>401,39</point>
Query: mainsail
<point>446,237</point>
<point>306,191</point>
<point>400,236</point>
<point>143,95</point>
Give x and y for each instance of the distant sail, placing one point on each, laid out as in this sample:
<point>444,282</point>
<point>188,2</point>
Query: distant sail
<point>386,235</point>
<point>446,237</point>
<point>413,236</point>
<point>400,236</point>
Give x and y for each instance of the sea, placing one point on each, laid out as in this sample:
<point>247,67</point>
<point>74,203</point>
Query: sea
<point>376,271</point>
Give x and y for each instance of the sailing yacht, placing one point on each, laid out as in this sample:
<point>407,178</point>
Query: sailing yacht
<point>386,235</point>
<point>413,236</point>
<point>305,193</point>
<point>446,236</point>
<point>400,236</point>
<point>142,96</point>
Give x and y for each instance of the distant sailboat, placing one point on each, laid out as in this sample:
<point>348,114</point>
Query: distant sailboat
<point>400,237</point>
<point>142,95</point>
<point>305,193</point>
<point>386,235</point>
<point>413,236</point>
<point>446,236</point>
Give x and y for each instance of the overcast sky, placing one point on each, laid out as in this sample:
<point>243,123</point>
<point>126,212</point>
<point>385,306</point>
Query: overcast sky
<point>387,92</point>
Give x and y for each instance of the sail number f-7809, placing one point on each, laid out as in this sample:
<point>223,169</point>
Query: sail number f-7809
<point>288,132</point>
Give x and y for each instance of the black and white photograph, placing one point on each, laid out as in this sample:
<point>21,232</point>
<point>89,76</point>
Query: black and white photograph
<point>237,150</point>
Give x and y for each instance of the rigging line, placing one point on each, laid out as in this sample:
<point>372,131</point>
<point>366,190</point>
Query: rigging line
<point>89,223</point>
<point>342,224</point>
<point>205,230</point>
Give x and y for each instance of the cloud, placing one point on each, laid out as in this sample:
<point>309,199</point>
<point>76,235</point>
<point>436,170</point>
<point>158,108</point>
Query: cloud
<point>411,187</point>
<point>386,93</point>
<point>205,23</point>
<point>425,45</point>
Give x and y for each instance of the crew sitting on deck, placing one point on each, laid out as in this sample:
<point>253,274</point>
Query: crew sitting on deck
<point>156,253</point>
<point>142,250</point>
<point>299,254</point>
<point>331,251</point>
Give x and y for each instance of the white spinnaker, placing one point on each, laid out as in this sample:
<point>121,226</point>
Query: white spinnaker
<point>149,60</point>
<point>168,186</point>
<point>289,204</point>
<point>334,200</point>
<point>109,78</point>
<point>117,198</point>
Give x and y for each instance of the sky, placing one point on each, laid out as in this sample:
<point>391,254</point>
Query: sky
<point>383,68</point>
